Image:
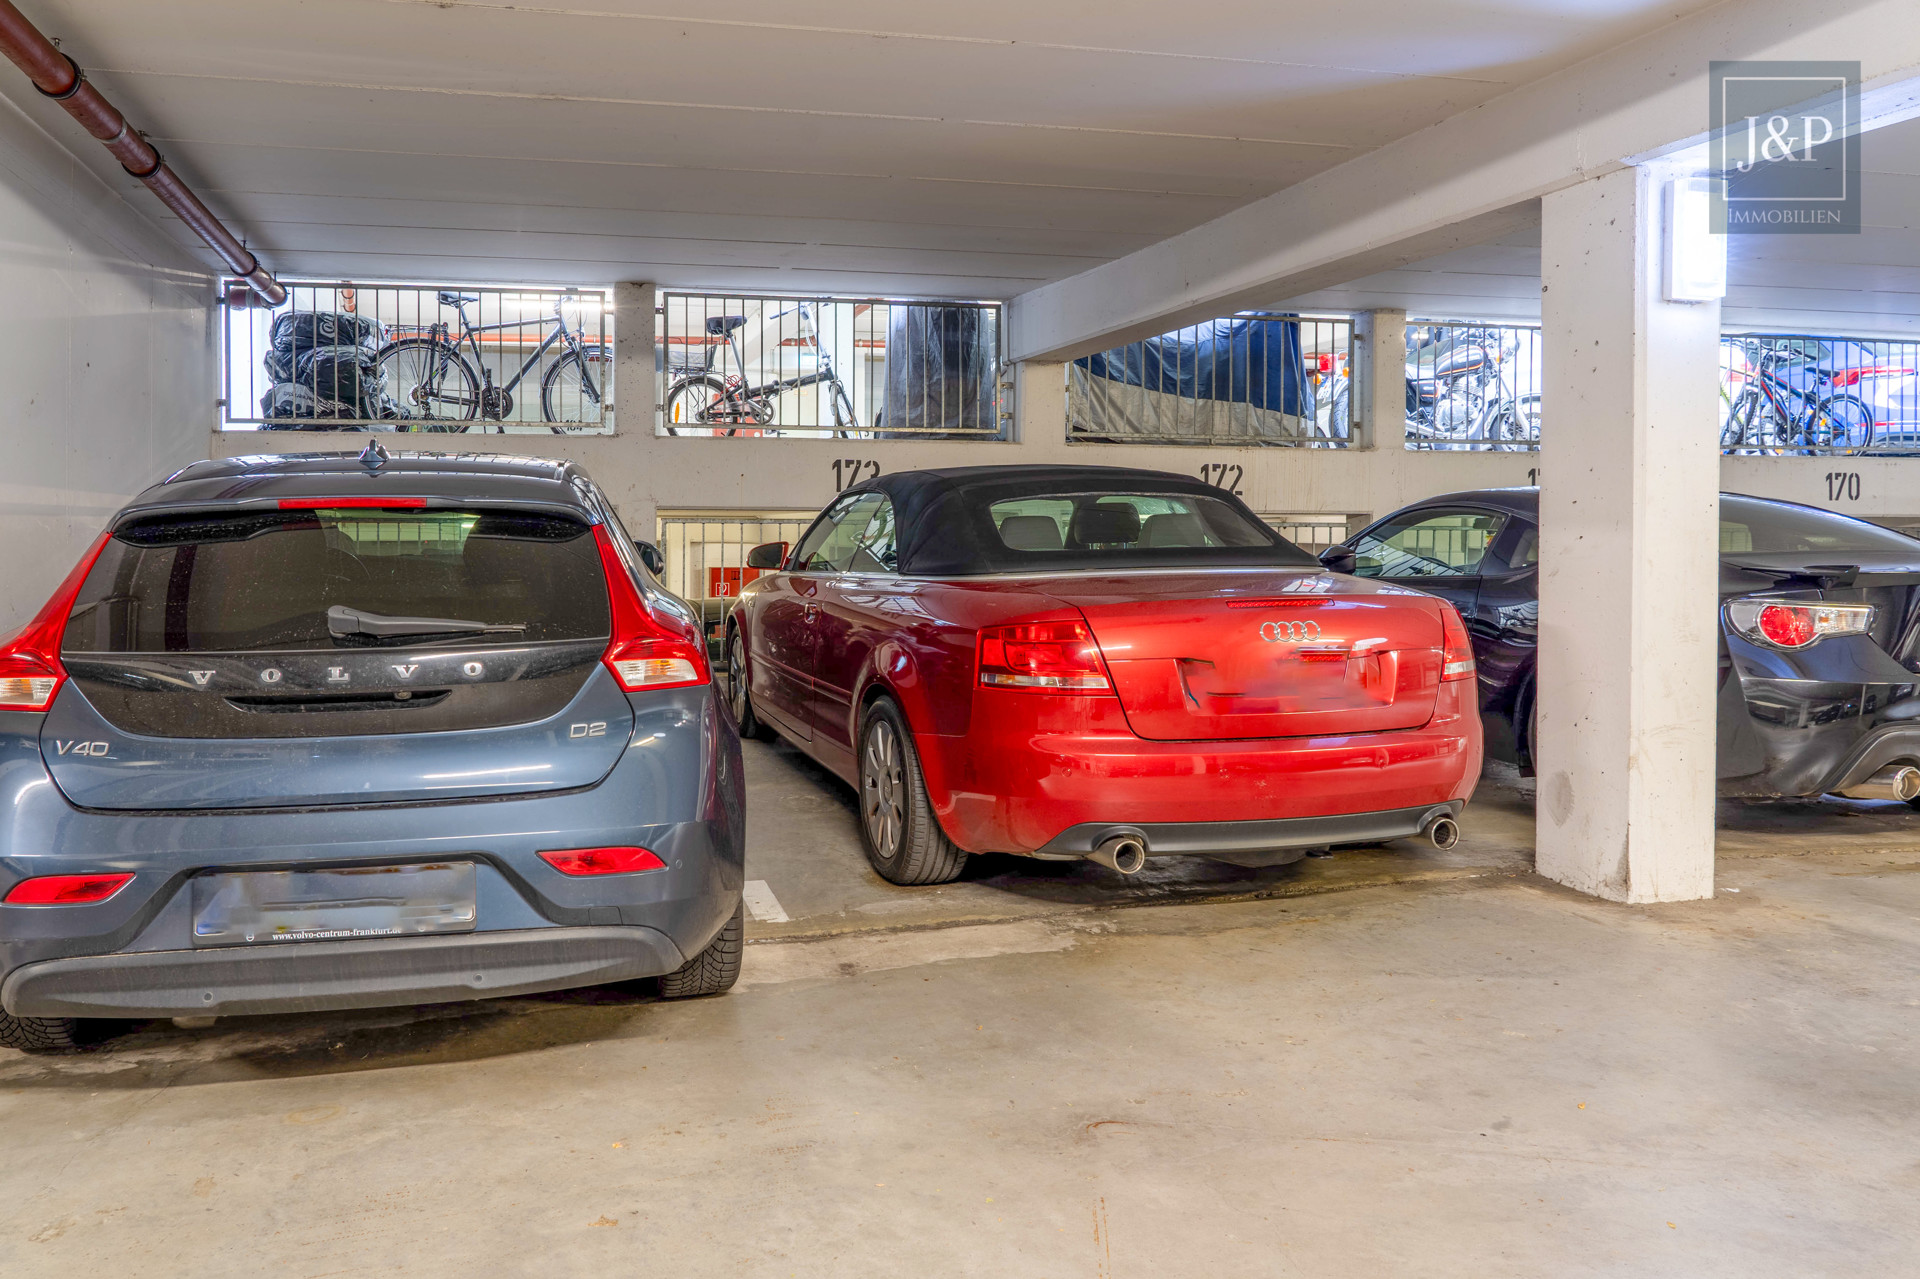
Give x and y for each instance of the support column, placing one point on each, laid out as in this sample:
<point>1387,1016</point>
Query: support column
<point>635,391</point>
<point>634,379</point>
<point>1040,403</point>
<point>1629,553</point>
<point>1380,379</point>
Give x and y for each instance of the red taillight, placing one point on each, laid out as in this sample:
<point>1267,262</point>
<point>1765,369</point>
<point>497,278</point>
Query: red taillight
<point>350,503</point>
<point>602,861</point>
<point>1458,661</point>
<point>646,652</point>
<point>30,669</point>
<point>66,890</point>
<point>1787,626</point>
<point>1053,657</point>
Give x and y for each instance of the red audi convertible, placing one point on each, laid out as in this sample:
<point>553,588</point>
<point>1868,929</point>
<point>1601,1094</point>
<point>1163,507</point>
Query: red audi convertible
<point>1095,662</point>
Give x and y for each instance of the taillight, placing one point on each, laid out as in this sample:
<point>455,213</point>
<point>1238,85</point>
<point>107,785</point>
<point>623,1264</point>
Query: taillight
<point>646,652</point>
<point>66,890</point>
<point>602,861</point>
<point>30,669</point>
<point>1059,657</point>
<point>1457,663</point>
<point>1782,625</point>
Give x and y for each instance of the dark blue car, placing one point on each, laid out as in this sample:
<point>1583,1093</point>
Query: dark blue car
<point>1819,636</point>
<point>324,731</point>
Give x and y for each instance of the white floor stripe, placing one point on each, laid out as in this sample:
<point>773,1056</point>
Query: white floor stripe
<point>762,904</point>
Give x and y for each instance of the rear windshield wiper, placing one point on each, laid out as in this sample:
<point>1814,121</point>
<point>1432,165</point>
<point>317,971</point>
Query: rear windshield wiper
<point>343,622</point>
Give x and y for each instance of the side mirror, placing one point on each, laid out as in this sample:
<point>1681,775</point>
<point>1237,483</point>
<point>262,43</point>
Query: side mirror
<point>767,555</point>
<point>1339,559</point>
<point>650,556</point>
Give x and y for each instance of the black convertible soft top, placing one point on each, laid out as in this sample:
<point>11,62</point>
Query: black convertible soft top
<point>944,524</point>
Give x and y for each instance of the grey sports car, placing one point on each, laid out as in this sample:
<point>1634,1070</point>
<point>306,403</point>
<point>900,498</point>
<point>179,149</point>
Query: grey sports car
<point>324,731</point>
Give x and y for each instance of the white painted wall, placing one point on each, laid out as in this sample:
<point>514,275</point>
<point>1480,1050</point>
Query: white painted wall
<point>106,358</point>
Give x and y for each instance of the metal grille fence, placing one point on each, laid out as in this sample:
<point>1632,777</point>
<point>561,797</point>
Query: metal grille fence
<point>1473,387</point>
<point>1312,532</point>
<point>706,557</point>
<point>1252,379</point>
<point>871,369</point>
<point>342,356</point>
<point>1807,393</point>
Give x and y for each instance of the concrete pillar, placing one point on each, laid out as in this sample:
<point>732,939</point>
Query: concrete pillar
<point>1380,379</point>
<point>1040,403</point>
<point>635,392</point>
<point>635,385</point>
<point>1629,513</point>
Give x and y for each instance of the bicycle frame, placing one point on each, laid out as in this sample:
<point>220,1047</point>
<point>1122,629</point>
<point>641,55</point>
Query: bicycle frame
<point>469,334</point>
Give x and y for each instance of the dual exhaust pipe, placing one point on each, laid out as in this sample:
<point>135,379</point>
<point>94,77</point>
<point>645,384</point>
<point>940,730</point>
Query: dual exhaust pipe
<point>1127,854</point>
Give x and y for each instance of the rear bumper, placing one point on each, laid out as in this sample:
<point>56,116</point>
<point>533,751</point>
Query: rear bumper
<point>1019,777</point>
<point>1165,839</point>
<point>316,976</point>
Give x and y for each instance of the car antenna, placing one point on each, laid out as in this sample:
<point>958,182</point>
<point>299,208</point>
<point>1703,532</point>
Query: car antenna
<point>373,457</point>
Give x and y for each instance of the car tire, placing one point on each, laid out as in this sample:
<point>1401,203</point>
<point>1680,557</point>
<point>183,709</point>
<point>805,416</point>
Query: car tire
<point>898,830</point>
<point>714,970</point>
<point>739,695</point>
<point>42,1034</point>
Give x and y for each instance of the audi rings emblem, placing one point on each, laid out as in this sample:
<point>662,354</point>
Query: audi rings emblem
<point>1289,632</point>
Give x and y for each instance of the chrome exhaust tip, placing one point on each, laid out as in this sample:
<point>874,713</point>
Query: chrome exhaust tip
<point>1895,781</point>
<point>1443,832</point>
<point>1124,853</point>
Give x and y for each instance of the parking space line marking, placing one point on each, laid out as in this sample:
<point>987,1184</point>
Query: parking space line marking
<point>762,904</point>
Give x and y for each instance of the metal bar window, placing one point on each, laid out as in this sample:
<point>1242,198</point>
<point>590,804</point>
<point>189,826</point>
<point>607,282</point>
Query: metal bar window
<point>1786,393</point>
<point>827,368</point>
<point>1473,387</point>
<point>412,357</point>
<point>1255,378</point>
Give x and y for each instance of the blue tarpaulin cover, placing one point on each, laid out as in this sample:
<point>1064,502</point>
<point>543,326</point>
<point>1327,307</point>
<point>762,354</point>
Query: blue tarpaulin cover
<point>1244,360</point>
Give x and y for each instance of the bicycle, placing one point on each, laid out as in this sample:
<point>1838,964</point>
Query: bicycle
<point>705,398</point>
<point>1769,414</point>
<point>435,382</point>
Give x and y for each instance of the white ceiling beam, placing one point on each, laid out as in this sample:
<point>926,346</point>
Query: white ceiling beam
<point>1465,179</point>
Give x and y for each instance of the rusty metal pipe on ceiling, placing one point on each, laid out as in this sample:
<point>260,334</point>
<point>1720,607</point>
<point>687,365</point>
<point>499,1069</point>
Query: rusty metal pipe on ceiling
<point>58,77</point>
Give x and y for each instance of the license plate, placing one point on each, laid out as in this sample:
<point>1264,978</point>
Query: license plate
<point>261,907</point>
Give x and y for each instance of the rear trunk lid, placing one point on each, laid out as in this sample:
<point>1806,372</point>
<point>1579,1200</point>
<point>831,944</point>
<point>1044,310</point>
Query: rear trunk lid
<point>1257,653</point>
<point>206,671</point>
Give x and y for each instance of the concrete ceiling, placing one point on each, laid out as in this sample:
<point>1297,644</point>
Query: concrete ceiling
<point>972,150</point>
<point>1866,284</point>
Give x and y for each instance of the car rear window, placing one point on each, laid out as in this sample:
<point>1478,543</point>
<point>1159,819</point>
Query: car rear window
<point>1766,528</point>
<point>1100,528</point>
<point>266,580</point>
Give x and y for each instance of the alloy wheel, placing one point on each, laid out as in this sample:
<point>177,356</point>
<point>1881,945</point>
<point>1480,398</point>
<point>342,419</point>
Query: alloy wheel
<point>882,789</point>
<point>737,679</point>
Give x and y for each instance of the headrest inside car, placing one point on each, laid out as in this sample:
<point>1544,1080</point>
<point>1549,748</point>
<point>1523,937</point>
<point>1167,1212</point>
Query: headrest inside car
<point>1098,523</point>
<point>1030,533</point>
<point>1173,528</point>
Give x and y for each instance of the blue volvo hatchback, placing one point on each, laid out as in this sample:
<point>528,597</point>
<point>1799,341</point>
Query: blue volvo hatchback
<point>321,731</point>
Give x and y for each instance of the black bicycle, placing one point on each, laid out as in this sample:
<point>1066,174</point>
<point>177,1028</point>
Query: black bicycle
<point>438,387</point>
<point>1770,415</point>
<point>705,398</point>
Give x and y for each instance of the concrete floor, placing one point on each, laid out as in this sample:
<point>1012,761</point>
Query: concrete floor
<point>1382,1062</point>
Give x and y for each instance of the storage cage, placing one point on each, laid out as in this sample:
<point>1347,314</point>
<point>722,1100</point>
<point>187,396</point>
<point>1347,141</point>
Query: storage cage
<point>410,357</point>
<point>1473,387</point>
<point>1255,378</point>
<point>706,555</point>
<point>1813,394</point>
<point>738,365</point>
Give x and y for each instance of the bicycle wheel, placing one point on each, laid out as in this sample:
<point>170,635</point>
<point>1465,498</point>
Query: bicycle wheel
<point>1844,423</point>
<point>432,381</point>
<point>575,387</point>
<point>691,400</point>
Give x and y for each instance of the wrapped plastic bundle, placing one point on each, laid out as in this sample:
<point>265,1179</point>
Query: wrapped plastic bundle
<point>298,331</point>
